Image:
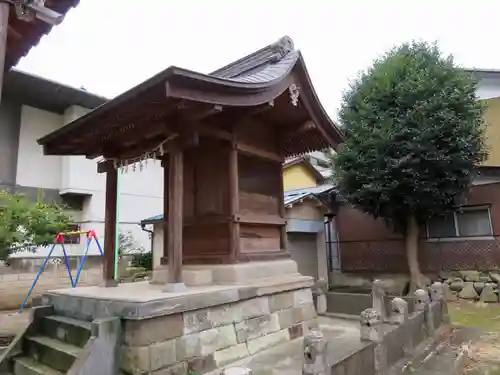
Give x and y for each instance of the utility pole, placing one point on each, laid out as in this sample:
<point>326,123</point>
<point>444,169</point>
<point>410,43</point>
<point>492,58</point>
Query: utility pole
<point>4,27</point>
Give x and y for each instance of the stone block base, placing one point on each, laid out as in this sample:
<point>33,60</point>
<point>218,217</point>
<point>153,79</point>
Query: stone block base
<point>210,338</point>
<point>198,275</point>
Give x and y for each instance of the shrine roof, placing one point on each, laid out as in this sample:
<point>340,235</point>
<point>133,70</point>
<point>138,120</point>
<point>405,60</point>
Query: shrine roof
<point>254,80</point>
<point>22,35</point>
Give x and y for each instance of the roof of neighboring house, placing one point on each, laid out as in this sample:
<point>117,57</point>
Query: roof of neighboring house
<point>304,160</point>
<point>22,35</point>
<point>292,196</point>
<point>484,73</point>
<point>298,195</point>
<point>45,94</point>
<point>152,219</point>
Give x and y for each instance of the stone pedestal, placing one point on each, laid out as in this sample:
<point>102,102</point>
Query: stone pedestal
<point>203,328</point>
<point>228,274</point>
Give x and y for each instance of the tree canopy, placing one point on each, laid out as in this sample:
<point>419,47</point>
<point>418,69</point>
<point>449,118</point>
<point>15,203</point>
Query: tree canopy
<point>26,225</point>
<point>414,136</point>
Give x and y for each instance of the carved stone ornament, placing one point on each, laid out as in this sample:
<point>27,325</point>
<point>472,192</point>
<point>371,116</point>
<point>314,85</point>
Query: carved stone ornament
<point>314,345</point>
<point>399,310</point>
<point>370,318</point>
<point>370,325</point>
<point>437,291</point>
<point>294,92</point>
<point>422,300</point>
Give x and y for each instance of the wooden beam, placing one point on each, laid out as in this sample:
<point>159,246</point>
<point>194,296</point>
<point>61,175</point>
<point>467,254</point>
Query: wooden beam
<point>282,211</point>
<point>259,219</point>
<point>134,155</point>
<point>110,227</point>
<point>188,126</point>
<point>175,214</point>
<point>254,151</point>
<point>234,204</point>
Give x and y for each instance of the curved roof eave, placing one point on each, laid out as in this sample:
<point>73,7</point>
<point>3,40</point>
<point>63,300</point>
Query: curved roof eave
<point>278,82</point>
<point>318,114</point>
<point>264,86</point>
<point>252,89</point>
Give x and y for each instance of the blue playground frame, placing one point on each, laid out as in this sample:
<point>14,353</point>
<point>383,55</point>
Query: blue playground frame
<point>90,234</point>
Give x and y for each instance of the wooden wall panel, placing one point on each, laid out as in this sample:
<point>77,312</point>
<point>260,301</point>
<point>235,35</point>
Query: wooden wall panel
<point>258,203</point>
<point>189,186</point>
<point>203,239</point>
<point>258,133</point>
<point>211,179</point>
<point>259,238</point>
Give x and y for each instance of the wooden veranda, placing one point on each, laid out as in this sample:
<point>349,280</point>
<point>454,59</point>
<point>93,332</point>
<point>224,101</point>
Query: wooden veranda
<point>222,138</point>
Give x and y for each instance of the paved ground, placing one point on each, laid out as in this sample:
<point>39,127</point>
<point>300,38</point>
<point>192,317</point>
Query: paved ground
<point>484,337</point>
<point>11,322</point>
<point>286,359</point>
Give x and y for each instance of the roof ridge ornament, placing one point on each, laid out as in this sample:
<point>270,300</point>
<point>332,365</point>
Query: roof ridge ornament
<point>281,48</point>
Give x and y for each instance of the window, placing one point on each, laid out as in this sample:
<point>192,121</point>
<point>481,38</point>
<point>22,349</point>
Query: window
<point>73,239</point>
<point>464,222</point>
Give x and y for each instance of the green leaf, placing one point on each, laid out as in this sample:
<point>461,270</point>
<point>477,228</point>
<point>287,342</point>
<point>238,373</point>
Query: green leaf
<point>26,225</point>
<point>414,135</point>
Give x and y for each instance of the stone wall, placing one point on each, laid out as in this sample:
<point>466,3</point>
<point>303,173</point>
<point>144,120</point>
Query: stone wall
<point>210,338</point>
<point>15,285</point>
<point>472,285</point>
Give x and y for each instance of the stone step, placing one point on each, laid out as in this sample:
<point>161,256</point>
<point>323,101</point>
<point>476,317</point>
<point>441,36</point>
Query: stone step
<point>28,366</point>
<point>68,330</point>
<point>52,352</point>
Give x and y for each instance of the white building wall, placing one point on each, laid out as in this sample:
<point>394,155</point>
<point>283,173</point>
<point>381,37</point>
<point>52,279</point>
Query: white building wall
<point>141,192</point>
<point>33,168</point>
<point>488,88</point>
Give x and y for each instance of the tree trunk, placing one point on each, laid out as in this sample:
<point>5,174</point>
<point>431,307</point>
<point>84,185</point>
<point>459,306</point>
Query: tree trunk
<point>417,279</point>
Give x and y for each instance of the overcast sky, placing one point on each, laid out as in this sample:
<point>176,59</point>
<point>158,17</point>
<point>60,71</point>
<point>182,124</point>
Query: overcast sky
<point>109,46</point>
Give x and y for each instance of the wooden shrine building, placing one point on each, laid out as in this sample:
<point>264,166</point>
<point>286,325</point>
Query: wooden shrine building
<point>222,139</point>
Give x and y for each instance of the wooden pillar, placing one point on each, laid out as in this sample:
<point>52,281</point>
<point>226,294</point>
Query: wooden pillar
<point>166,169</point>
<point>4,26</point>
<point>234,204</point>
<point>110,227</point>
<point>282,211</point>
<point>175,219</point>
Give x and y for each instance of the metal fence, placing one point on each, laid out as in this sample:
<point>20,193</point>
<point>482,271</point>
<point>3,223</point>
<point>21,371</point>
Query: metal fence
<point>481,253</point>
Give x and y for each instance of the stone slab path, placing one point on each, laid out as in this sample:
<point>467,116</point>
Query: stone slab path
<point>286,359</point>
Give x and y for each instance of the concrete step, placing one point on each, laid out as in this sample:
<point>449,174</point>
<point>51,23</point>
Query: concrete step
<point>52,352</point>
<point>28,366</point>
<point>68,330</point>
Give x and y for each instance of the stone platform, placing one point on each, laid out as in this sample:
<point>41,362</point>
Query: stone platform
<point>203,328</point>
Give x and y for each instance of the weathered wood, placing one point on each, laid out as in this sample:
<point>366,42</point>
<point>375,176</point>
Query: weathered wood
<point>258,238</point>
<point>258,203</point>
<point>175,214</point>
<point>110,226</point>
<point>282,213</point>
<point>254,151</point>
<point>234,227</point>
<point>260,219</point>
